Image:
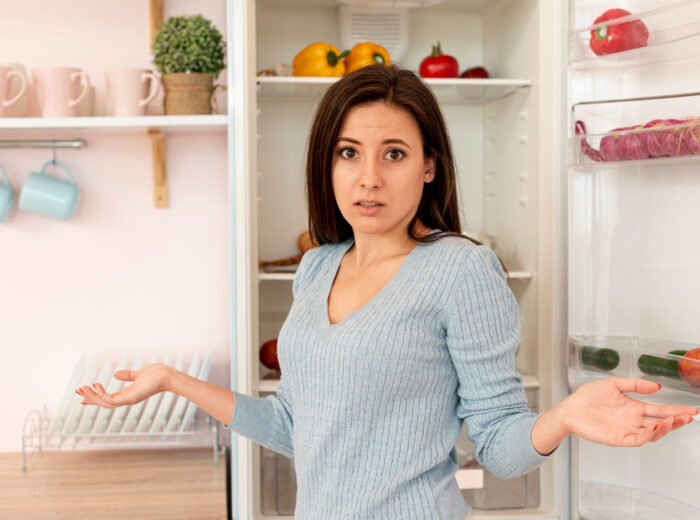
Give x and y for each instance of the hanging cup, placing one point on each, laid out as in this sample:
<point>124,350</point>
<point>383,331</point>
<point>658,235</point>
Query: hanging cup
<point>7,197</point>
<point>49,196</point>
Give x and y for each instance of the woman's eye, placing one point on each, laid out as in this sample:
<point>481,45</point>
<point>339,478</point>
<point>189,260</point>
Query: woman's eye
<point>348,153</point>
<point>394,155</point>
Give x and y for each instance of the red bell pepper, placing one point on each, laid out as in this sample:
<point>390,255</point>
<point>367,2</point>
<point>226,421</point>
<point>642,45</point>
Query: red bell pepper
<point>439,65</point>
<point>608,39</point>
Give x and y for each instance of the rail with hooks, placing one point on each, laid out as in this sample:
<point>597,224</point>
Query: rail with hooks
<point>160,183</point>
<point>43,143</point>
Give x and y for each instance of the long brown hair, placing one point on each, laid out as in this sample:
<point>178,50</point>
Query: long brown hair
<point>403,89</point>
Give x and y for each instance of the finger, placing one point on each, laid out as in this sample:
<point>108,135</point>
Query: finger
<point>93,397</point>
<point>640,386</point>
<point>663,428</point>
<point>681,421</point>
<point>126,375</point>
<point>662,411</point>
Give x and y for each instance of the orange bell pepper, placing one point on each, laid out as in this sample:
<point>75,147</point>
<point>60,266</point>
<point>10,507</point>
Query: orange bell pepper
<point>319,59</point>
<point>366,53</point>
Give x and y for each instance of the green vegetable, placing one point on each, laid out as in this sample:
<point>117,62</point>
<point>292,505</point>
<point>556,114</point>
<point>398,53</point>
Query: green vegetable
<point>188,44</point>
<point>601,358</point>
<point>659,366</point>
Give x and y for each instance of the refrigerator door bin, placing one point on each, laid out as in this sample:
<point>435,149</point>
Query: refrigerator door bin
<point>673,34</point>
<point>602,501</point>
<point>636,130</point>
<point>661,361</point>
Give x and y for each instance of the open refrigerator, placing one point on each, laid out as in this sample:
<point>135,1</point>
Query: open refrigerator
<point>600,252</point>
<point>632,253</point>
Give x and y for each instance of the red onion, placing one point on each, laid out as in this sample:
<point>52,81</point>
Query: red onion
<point>670,138</point>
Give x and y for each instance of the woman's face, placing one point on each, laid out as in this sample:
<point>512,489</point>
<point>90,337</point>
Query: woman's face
<point>379,158</point>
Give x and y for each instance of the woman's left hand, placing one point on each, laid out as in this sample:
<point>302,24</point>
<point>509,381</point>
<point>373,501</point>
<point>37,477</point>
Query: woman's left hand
<point>600,411</point>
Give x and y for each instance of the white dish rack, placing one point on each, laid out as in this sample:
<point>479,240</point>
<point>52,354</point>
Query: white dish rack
<point>162,420</point>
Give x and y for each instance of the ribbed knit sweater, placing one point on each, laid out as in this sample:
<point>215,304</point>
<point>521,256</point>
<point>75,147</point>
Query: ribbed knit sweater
<point>370,408</point>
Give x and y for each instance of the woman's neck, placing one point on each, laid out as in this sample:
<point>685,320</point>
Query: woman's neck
<point>372,248</point>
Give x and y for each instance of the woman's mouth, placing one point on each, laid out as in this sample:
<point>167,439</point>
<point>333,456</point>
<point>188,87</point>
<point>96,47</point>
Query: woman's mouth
<point>368,209</point>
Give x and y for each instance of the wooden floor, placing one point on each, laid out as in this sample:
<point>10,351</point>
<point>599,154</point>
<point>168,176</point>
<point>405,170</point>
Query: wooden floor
<point>145,484</point>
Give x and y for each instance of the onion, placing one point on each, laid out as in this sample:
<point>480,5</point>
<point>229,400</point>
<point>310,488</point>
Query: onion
<point>640,143</point>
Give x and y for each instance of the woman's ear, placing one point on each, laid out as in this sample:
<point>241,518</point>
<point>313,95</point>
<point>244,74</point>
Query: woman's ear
<point>429,169</point>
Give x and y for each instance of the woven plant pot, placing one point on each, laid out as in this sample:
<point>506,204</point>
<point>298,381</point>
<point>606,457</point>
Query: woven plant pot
<point>187,93</point>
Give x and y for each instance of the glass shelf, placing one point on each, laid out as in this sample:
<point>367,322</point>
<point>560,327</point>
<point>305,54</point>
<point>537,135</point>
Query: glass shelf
<point>593,357</point>
<point>473,91</point>
<point>674,34</point>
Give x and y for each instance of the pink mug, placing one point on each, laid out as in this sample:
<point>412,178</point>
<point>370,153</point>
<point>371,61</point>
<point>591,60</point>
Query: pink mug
<point>6,75</point>
<point>130,90</point>
<point>58,90</point>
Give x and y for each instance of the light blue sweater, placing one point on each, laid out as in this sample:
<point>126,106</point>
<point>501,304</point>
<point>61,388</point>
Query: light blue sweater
<point>370,408</point>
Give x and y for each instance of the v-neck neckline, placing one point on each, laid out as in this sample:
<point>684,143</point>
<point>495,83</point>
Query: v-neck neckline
<point>335,268</point>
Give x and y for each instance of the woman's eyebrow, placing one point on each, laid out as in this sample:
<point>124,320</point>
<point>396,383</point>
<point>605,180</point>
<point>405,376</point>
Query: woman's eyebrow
<point>386,141</point>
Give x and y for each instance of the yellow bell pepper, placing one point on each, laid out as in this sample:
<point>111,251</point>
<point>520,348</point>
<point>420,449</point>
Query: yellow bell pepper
<point>366,53</point>
<point>319,59</point>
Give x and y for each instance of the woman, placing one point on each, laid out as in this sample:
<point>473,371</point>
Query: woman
<point>400,330</point>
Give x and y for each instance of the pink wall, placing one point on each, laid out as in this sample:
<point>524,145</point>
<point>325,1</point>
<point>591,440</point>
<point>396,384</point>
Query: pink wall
<point>122,274</point>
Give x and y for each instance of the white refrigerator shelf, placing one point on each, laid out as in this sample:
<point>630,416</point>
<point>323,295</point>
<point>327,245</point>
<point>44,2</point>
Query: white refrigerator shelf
<point>464,90</point>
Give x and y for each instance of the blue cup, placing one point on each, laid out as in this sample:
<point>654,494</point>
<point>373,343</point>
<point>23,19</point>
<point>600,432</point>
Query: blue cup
<point>7,197</point>
<point>49,196</point>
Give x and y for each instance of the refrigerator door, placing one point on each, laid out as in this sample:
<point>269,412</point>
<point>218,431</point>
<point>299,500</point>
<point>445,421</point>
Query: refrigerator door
<point>633,256</point>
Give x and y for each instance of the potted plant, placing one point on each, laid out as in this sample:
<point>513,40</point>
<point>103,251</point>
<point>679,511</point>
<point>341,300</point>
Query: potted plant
<point>189,52</point>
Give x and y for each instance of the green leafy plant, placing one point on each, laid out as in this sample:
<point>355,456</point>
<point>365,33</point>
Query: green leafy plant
<point>188,44</point>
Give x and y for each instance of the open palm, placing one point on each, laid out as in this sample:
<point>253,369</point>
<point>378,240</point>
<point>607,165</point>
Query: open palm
<point>601,412</point>
<point>148,381</point>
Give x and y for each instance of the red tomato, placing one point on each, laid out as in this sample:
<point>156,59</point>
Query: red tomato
<point>439,65</point>
<point>475,72</point>
<point>268,354</point>
<point>689,367</point>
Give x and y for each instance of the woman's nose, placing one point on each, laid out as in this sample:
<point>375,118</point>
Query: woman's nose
<point>370,176</point>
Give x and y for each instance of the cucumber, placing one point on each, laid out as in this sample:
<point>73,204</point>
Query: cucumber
<point>658,366</point>
<point>601,358</point>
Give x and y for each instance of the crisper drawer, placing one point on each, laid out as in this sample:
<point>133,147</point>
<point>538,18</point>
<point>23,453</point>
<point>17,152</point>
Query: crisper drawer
<point>484,490</point>
<point>279,484</point>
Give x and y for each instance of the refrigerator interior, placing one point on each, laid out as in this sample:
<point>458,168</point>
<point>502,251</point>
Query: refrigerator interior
<point>498,155</point>
<point>633,261</point>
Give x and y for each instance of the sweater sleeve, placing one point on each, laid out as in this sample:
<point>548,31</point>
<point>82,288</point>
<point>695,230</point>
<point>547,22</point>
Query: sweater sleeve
<point>268,420</point>
<point>265,420</point>
<point>483,332</point>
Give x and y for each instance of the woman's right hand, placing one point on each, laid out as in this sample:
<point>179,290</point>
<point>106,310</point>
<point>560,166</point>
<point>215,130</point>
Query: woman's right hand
<point>147,381</point>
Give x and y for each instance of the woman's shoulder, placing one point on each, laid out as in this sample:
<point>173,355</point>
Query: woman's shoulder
<point>459,255</point>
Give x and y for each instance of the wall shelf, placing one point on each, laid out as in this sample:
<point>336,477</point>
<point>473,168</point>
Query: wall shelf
<point>170,124</point>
